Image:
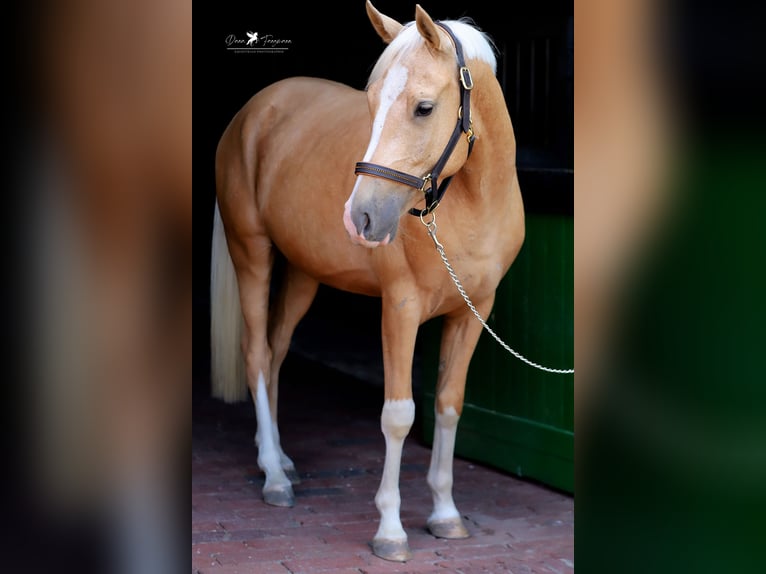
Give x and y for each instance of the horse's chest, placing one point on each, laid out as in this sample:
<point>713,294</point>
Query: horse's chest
<point>479,278</point>
<point>476,271</point>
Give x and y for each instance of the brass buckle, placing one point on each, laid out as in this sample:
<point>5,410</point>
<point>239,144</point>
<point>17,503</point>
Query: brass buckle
<point>426,179</point>
<point>465,78</point>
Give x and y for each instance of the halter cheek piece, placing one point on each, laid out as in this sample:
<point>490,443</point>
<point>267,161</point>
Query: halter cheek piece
<point>428,184</point>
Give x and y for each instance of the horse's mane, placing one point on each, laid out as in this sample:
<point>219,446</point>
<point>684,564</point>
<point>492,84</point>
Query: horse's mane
<point>476,45</point>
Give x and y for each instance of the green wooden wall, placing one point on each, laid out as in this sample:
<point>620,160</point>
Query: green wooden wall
<point>518,418</point>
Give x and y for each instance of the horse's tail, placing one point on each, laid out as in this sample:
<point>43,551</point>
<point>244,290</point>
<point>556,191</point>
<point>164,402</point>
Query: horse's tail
<point>227,365</point>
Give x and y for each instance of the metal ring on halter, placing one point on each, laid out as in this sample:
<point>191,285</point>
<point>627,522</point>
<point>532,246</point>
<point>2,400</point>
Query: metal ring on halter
<point>428,209</point>
<point>428,223</point>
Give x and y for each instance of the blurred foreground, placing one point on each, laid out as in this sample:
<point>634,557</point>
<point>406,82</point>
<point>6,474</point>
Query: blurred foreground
<point>669,287</point>
<point>102,221</point>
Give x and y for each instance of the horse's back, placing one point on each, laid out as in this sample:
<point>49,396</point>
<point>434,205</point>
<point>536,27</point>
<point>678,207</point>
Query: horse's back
<point>295,107</point>
<point>284,129</point>
<point>301,90</point>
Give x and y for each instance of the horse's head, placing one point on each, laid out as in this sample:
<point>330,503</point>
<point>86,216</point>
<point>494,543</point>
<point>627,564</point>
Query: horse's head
<point>414,97</point>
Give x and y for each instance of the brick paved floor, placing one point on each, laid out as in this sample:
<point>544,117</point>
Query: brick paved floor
<point>330,428</point>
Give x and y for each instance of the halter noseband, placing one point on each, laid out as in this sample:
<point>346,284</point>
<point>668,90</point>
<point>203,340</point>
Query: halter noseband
<point>428,183</point>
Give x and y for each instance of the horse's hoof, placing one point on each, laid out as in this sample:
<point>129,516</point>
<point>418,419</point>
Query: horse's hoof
<point>279,497</point>
<point>393,550</point>
<point>293,476</point>
<point>452,528</point>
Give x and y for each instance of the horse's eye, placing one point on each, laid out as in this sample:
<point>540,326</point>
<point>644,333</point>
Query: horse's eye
<point>424,109</point>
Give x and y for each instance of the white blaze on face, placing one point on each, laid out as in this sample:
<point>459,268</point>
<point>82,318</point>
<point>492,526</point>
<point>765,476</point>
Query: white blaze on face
<point>393,86</point>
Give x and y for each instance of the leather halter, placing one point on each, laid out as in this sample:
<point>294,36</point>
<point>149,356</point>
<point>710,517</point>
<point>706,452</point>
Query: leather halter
<point>428,184</point>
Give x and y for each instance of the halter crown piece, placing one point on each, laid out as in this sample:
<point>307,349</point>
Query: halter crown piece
<point>428,184</point>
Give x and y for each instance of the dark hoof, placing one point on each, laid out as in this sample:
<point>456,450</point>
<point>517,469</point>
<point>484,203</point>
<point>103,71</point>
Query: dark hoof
<point>293,476</point>
<point>279,497</point>
<point>453,528</point>
<point>393,550</point>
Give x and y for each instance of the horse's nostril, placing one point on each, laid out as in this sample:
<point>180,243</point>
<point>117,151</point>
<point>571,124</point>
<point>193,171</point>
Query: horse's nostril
<point>365,223</point>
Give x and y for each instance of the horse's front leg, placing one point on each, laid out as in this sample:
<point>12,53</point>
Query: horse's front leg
<point>399,331</point>
<point>460,334</point>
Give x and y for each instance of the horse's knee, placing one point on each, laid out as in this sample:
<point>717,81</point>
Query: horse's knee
<point>397,418</point>
<point>450,400</point>
<point>447,417</point>
<point>257,363</point>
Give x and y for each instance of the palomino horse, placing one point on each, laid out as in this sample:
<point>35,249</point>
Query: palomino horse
<point>289,177</point>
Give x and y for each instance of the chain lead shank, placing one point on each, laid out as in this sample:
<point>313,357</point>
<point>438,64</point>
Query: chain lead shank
<point>431,228</point>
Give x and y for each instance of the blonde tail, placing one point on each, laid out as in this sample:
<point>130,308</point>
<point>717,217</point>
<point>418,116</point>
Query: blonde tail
<point>229,382</point>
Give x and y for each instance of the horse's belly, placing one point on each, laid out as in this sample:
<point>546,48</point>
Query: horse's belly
<point>333,264</point>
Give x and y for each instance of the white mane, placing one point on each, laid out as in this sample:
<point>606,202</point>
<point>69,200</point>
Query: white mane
<point>476,45</point>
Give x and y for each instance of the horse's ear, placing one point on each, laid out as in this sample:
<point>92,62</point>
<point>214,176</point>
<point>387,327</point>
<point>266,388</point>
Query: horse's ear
<point>427,28</point>
<point>386,27</point>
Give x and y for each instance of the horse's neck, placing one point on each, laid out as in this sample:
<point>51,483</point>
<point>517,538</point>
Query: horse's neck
<point>494,152</point>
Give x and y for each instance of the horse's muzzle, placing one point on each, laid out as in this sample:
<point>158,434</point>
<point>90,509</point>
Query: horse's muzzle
<point>372,223</point>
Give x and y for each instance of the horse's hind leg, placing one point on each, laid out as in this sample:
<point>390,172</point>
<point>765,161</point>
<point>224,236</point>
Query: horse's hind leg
<point>253,259</point>
<point>460,334</point>
<point>293,301</point>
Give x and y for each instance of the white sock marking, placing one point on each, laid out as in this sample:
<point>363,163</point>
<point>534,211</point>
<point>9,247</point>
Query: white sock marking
<point>395,421</point>
<point>440,471</point>
<point>269,459</point>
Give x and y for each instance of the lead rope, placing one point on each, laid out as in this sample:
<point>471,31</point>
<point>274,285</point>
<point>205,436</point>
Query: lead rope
<point>431,227</point>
